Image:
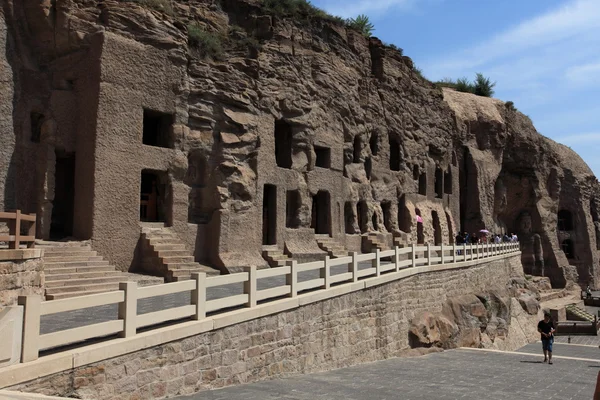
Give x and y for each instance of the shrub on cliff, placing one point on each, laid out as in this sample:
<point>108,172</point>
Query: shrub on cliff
<point>207,44</point>
<point>362,24</point>
<point>463,85</point>
<point>482,86</point>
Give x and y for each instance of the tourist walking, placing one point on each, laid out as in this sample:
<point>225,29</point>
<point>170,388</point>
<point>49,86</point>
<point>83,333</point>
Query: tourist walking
<point>546,329</point>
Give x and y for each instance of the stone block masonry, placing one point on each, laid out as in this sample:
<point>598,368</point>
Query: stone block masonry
<point>359,327</point>
<point>20,277</point>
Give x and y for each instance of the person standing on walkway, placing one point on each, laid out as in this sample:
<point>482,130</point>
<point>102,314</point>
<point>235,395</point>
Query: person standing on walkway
<point>546,329</point>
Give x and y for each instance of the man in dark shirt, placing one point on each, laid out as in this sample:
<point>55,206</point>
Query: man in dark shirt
<point>546,329</point>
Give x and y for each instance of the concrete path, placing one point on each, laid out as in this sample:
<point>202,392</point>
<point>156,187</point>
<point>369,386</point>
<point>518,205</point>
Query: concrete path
<point>94,315</point>
<point>455,374</point>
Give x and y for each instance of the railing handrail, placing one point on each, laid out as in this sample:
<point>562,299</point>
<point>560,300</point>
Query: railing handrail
<point>14,237</point>
<point>128,294</point>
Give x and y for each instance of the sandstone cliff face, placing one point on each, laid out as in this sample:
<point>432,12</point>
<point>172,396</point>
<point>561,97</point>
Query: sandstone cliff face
<point>381,143</point>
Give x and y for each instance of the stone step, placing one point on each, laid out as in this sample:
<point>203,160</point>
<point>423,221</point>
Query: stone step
<point>66,264</point>
<point>116,278</point>
<point>84,288</point>
<point>56,245</point>
<point>154,242</point>
<point>177,260</point>
<point>189,265</point>
<point>72,270</point>
<point>66,253</point>
<point>78,275</point>
<point>72,259</point>
<point>173,253</point>
<point>66,295</point>
<point>187,272</point>
<point>169,247</point>
<point>161,235</point>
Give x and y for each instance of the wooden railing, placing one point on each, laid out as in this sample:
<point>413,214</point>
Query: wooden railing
<point>14,219</point>
<point>403,262</point>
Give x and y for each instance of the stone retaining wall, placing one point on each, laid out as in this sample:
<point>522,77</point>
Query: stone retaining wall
<point>20,277</point>
<point>359,327</point>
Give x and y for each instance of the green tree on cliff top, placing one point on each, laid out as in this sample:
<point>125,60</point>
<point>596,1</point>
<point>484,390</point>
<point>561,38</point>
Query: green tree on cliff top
<point>362,24</point>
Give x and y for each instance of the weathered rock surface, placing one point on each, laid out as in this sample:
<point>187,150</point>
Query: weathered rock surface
<point>494,319</point>
<point>75,75</point>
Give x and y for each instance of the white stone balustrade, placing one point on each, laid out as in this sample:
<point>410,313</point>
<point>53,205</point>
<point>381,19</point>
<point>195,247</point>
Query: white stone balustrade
<point>405,262</point>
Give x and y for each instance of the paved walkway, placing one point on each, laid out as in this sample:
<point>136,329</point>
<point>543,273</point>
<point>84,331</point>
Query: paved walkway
<point>455,374</point>
<point>93,315</point>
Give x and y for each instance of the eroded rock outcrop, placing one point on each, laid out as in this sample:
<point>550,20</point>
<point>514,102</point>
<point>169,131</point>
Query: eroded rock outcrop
<point>333,132</point>
<point>503,320</point>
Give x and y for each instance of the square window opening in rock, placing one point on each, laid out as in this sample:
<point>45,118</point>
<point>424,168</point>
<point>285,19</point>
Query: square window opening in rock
<point>323,157</point>
<point>157,129</point>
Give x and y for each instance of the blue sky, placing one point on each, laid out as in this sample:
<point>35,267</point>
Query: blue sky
<point>543,54</point>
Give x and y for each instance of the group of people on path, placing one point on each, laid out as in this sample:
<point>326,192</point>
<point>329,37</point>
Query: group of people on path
<point>483,237</point>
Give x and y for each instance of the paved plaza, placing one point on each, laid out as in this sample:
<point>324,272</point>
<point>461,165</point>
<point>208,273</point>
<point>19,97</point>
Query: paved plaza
<point>454,374</point>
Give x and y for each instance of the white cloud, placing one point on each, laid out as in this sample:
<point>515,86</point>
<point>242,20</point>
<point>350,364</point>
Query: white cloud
<point>577,21</point>
<point>584,74</point>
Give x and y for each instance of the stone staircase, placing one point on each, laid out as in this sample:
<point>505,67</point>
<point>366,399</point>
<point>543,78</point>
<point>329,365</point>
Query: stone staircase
<point>331,246</point>
<point>73,269</point>
<point>575,313</point>
<point>373,241</point>
<point>169,256</point>
<point>552,294</point>
<point>401,239</point>
<point>274,256</point>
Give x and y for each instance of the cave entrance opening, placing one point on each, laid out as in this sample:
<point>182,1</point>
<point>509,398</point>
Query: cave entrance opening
<point>321,215</point>
<point>63,205</point>
<point>283,144</point>
<point>154,193</point>
<point>349,218</point>
<point>361,213</point>
<point>568,248</point>
<point>269,215</point>
<point>423,184</point>
<point>565,220</point>
<point>439,183</point>
<point>292,209</point>
<point>437,228</point>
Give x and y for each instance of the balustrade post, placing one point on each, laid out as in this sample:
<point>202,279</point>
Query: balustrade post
<point>472,255</point>
<point>292,278</point>
<point>428,253</point>
<point>396,258</point>
<point>325,273</point>
<point>442,251</point>
<point>250,286</point>
<point>31,231</point>
<point>377,262</point>
<point>414,255</point>
<point>454,253</point>
<point>464,252</point>
<point>354,267</point>
<point>199,295</point>
<point>128,309</point>
<point>14,229</point>
<point>32,306</point>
